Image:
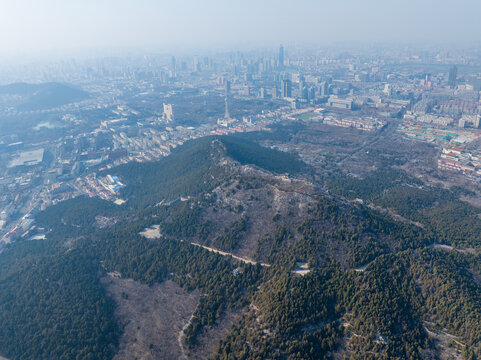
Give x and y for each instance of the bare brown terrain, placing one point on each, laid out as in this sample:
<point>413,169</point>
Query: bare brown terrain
<point>447,346</point>
<point>208,341</point>
<point>358,153</point>
<point>261,197</point>
<point>151,317</point>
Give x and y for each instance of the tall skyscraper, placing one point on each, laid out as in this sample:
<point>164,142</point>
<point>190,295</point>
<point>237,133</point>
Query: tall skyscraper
<point>226,114</point>
<point>281,57</point>
<point>262,93</point>
<point>312,93</point>
<point>305,93</point>
<point>453,74</point>
<point>286,88</point>
<point>302,85</point>
<point>172,63</point>
<point>324,89</point>
<point>197,65</point>
<point>227,87</point>
<point>274,92</point>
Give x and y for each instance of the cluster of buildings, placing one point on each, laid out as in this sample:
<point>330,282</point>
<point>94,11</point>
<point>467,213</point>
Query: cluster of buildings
<point>360,123</point>
<point>469,121</point>
<point>428,118</point>
<point>134,101</point>
<point>434,134</point>
<point>112,183</point>
<point>458,106</point>
<point>463,121</point>
<point>458,160</point>
<point>106,188</point>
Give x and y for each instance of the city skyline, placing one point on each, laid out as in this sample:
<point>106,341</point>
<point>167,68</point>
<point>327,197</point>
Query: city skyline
<point>53,26</point>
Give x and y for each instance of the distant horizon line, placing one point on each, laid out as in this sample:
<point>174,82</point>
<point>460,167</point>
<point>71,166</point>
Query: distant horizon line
<point>50,53</point>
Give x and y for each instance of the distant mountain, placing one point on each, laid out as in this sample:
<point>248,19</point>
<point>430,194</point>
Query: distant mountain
<point>43,96</point>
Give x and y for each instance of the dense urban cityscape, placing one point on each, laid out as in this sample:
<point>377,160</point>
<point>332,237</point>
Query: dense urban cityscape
<point>130,109</point>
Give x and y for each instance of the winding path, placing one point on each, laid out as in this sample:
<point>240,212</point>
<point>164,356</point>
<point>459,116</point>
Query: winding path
<point>180,339</point>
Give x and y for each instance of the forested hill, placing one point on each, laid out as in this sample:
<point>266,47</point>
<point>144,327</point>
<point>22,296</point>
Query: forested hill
<point>316,275</point>
<point>43,96</point>
<point>196,167</point>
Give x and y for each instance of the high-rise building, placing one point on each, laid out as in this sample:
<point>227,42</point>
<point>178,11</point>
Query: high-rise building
<point>387,90</point>
<point>302,85</point>
<point>226,114</point>
<point>227,87</point>
<point>470,120</point>
<point>312,93</point>
<point>427,81</point>
<point>262,93</point>
<point>305,93</point>
<point>324,90</point>
<point>453,74</point>
<point>286,88</point>
<point>281,57</point>
<point>197,65</point>
<point>274,92</point>
<point>168,115</point>
<point>173,64</point>
<point>476,83</point>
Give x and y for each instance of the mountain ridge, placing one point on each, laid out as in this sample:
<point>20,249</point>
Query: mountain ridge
<point>344,279</point>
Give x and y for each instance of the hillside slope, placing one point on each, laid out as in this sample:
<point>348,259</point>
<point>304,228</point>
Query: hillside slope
<point>41,96</point>
<point>314,276</point>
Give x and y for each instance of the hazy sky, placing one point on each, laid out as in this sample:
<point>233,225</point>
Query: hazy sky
<point>43,25</point>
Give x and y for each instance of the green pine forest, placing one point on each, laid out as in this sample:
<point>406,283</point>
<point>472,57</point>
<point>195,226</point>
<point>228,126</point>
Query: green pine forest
<point>378,287</point>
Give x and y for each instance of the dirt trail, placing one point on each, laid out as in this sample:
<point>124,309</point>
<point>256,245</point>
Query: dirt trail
<point>224,253</point>
<point>180,339</point>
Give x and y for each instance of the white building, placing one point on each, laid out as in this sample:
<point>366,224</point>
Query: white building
<point>168,115</point>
